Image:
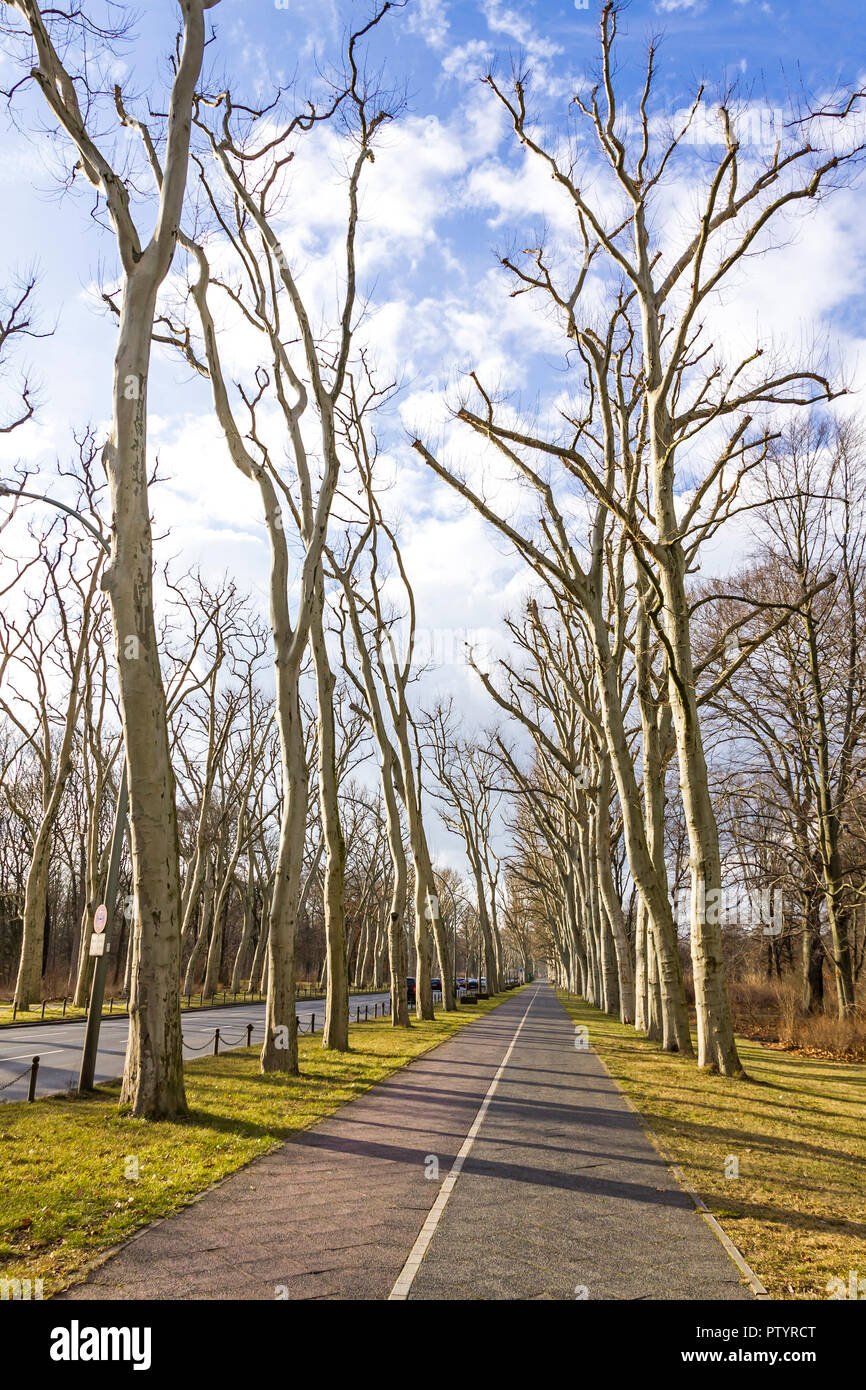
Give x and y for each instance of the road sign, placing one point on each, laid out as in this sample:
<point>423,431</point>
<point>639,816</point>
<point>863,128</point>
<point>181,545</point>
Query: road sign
<point>97,945</point>
<point>100,918</point>
<point>100,970</point>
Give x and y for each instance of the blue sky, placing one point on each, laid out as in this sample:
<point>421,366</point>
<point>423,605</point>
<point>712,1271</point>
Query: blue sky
<point>449,189</point>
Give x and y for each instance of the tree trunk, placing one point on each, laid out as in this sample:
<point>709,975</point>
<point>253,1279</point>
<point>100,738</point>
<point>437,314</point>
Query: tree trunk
<point>199,952</point>
<point>246,933</point>
<point>813,956</point>
<point>28,986</point>
<point>717,1049</point>
<point>610,900</point>
<point>644,869</point>
<point>640,943</point>
<point>336,1031</point>
<point>260,958</point>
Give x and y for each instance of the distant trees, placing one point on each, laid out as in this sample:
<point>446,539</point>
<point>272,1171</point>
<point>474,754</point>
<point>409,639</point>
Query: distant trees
<point>59,599</point>
<point>225,749</point>
<point>793,716</point>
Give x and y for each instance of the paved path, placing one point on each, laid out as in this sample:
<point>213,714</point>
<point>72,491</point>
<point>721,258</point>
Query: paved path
<point>561,1192</point>
<point>59,1045</point>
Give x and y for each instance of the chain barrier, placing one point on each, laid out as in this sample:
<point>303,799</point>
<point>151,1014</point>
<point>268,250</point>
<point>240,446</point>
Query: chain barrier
<point>32,1071</point>
<point>216,1037</point>
<point>6,1084</point>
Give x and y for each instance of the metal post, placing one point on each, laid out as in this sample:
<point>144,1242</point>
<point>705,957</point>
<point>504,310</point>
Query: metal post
<point>249,1035</point>
<point>97,988</point>
<point>34,1072</point>
<point>216,1043</point>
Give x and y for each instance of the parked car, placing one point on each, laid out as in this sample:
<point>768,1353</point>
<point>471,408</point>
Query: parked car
<point>410,989</point>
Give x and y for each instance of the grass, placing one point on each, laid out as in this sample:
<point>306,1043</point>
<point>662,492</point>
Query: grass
<point>66,1196</point>
<point>797,1127</point>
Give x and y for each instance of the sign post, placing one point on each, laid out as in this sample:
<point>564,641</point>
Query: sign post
<point>99,945</point>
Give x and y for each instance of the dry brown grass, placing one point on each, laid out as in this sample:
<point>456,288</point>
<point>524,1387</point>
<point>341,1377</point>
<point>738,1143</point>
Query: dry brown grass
<point>769,1011</point>
<point>797,1127</point>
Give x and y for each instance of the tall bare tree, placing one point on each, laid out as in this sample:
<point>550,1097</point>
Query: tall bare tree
<point>153,1074</point>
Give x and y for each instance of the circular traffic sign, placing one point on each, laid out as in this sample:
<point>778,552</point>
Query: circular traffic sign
<point>100,918</point>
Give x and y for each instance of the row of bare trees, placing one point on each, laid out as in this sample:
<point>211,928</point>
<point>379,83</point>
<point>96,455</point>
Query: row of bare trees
<point>289,423</point>
<point>782,683</point>
<point>242,785</point>
<point>235,793</point>
<point>661,434</point>
<point>62,750</point>
<point>61,756</point>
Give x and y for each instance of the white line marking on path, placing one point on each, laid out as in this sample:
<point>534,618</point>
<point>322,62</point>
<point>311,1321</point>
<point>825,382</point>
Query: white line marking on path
<point>407,1274</point>
<point>20,1056</point>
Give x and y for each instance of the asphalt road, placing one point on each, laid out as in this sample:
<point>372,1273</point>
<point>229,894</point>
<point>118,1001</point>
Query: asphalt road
<point>505,1164</point>
<point>58,1046</point>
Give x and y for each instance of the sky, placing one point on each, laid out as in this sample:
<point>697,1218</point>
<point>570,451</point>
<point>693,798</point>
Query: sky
<point>448,193</point>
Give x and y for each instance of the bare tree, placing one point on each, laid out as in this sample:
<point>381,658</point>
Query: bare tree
<point>153,1075</point>
<point>639,414</point>
<point>50,640</point>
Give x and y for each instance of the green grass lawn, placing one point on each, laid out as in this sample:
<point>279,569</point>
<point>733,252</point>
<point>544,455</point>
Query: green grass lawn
<point>64,1191</point>
<point>797,1127</point>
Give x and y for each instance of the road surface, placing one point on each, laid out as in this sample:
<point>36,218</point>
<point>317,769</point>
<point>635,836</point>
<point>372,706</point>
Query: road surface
<point>58,1046</point>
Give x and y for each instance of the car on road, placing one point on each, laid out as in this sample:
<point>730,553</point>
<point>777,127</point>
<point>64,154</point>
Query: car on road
<point>410,989</point>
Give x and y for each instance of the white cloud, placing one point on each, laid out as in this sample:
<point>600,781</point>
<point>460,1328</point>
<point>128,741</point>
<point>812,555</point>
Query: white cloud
<point>429,18</point>
<point>468,61</point>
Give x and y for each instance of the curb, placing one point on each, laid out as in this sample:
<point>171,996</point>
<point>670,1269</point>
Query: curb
<point>728,1245</point>
<point>725,1241</point>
